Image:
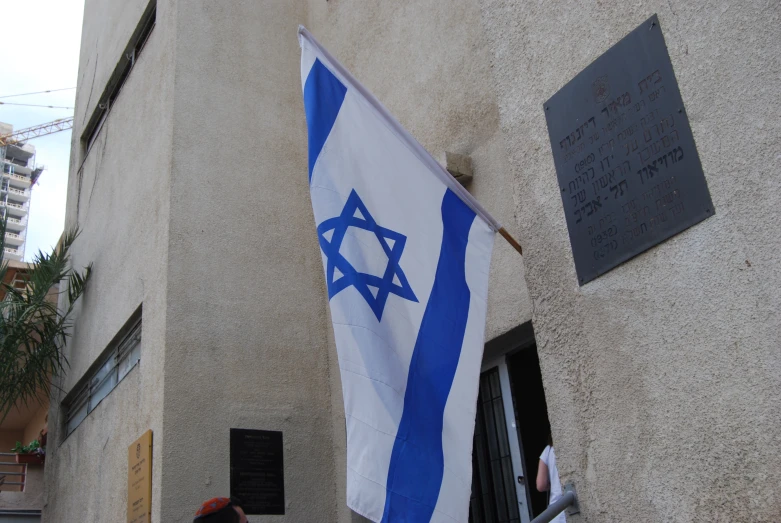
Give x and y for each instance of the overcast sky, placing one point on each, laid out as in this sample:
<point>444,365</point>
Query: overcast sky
<point>40,51</point>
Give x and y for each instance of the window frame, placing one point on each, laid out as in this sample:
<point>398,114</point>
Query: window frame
<point>121,356</point>
<point>119,76</point>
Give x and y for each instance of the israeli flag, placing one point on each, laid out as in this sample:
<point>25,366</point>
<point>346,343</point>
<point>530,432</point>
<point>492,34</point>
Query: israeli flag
<point>406,252</point>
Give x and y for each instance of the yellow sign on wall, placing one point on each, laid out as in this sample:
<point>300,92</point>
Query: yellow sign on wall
<point>139,480</point>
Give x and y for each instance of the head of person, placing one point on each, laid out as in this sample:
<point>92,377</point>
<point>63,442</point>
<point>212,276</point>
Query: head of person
<point>220,510</point>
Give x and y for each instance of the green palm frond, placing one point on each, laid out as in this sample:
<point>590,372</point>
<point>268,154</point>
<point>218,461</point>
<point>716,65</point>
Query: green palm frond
<point>33,328</point>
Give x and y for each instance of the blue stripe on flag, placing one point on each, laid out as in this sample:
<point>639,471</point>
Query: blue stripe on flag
<point>323,97</point>
<point>417,460</point>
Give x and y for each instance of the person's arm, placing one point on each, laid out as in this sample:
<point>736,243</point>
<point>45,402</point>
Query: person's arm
<point>542,477</point>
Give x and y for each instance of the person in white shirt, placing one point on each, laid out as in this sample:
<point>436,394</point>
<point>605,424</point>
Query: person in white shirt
<point>548,478</point>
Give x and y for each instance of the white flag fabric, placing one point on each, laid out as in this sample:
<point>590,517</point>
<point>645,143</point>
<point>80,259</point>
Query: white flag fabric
<point>406,252</point>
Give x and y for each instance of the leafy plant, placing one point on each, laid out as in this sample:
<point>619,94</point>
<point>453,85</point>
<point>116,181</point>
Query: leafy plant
<point>26,449</point>
<point>33,330</point>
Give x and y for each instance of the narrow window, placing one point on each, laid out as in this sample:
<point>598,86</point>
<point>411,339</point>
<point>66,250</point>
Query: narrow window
<point>104,375</point>
<point>119,75</point>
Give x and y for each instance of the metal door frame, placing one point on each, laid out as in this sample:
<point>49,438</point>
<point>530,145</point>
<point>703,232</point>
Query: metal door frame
<point>512,432</point>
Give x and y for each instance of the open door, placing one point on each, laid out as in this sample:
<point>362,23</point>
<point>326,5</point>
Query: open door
<point>531,417</point>
<point>511,431</point>
<point>498,482</point>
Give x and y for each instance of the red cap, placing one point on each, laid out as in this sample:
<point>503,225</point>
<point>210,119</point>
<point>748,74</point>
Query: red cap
<point>212,506</point>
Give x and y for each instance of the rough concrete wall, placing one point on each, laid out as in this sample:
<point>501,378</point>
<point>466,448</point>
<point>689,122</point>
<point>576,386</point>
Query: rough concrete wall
<point>101,48</point>
<point>246,336</point>
<point>662,377</point>
<point>119,199</point>
<point>428,63</point>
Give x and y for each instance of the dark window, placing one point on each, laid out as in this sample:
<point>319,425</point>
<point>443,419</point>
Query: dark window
<point>120,74</point>
<point>117,360</point>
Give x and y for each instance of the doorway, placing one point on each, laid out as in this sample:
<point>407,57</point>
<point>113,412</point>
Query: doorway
<point>531,415</point>
<point>511,431</point>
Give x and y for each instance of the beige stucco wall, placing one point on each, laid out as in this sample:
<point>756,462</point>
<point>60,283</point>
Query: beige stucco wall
<point>119,199</point>
<point>246,338</point>
<point>662,376</point>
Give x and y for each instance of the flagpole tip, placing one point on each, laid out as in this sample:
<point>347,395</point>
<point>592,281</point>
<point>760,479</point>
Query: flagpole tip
<point>303,34</point>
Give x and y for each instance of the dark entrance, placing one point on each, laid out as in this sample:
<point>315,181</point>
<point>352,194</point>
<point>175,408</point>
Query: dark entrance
<point>531,418</point>
<point>495,498</point>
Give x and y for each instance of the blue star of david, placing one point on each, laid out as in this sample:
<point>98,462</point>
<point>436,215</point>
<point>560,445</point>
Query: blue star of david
<point>355,214</point>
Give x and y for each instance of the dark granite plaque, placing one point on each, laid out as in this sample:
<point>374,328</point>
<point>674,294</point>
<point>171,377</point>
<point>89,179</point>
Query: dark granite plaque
<point>625,157</point>
<point>257,474</point>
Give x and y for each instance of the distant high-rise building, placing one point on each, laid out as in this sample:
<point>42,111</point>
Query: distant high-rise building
<point>19,174</point>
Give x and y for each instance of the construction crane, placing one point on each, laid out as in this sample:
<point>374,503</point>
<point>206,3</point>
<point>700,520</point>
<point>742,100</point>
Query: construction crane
<point>23,135</point>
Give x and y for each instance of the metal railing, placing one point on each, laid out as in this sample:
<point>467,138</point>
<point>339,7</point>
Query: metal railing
<point>568,500</point>
<point>8,477</point>
<point>17,177</point>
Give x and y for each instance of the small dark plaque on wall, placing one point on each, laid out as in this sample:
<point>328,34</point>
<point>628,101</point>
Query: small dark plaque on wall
<point>627,166</point>
<point>256,468</point>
